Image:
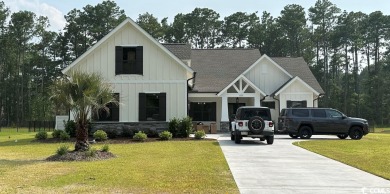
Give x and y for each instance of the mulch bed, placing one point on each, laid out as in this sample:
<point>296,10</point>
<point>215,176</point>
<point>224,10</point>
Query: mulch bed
<point>81,156</point>
<point>100,155</point>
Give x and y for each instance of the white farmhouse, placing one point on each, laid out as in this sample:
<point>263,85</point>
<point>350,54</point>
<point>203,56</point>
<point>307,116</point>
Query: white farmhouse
<point>156,82</point>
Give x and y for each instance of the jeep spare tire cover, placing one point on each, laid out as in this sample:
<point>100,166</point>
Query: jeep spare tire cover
<point>256,124</point>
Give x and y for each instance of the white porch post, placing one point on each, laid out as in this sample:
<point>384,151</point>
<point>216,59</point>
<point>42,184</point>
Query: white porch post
<point>257,100</point>
<point>224,109</point>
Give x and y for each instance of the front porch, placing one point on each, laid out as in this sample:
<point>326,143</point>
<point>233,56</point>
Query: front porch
<point>217,108</point>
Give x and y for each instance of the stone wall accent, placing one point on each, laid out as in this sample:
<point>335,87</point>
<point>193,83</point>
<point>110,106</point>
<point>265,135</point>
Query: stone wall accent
<point>119,126</point>
<point>224,127</point>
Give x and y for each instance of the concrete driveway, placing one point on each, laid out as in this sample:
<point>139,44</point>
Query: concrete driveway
<point>285,168</point>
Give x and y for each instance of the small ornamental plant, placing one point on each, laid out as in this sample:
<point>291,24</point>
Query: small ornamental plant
<point>140,136</point>
<point>200,135</point>
<point>165,135</point>
<point>100,135</point>
<point>41,135</point>
<point>62,150</point>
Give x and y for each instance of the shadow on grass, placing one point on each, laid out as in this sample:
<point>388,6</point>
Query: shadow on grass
<point>11,163</point>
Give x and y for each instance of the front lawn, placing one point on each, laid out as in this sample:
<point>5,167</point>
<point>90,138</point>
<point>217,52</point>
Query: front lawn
<point>157,167</point>
<point>371,153</point>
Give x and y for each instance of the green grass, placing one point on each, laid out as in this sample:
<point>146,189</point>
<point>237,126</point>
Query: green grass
<point>158,167</point>
<point>371,153</point>
<point>381,130</point>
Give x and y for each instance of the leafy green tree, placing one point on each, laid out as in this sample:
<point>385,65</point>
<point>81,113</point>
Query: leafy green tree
<point>151,25</point>
<point>324,16</point>
<point>237,27</point>
<point>293,22</point>
<point>203,27</point>
<point>82,94</point>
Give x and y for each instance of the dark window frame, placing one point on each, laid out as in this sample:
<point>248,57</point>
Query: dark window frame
<point>146,106</point>
<point>203,111</point>
<point>267,103</point>
<point>114,112</point>
<point>128,66</point>
<point>302,104</point>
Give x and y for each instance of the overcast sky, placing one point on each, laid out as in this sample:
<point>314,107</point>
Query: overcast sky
<point>56,9</point>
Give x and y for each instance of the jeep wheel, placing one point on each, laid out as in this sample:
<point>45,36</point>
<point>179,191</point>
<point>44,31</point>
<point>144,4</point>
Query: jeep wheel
<point>270,140</point>
<point>232,136</point>
<point>356,133</point>
<point>305,132</point>
<point>256,125</point>
<point>293,136</point>
<point>342,136</point>
<point>237,136</point>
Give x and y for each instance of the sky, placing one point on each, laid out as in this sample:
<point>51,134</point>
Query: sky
<point>56,9</point>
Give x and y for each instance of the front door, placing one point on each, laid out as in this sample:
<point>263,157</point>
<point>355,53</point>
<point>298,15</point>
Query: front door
<point>232,108</point>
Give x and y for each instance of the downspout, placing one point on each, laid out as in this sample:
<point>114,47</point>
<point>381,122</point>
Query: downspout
<point>192,87</point>
<point>316,99</point>
<point>263,99</point>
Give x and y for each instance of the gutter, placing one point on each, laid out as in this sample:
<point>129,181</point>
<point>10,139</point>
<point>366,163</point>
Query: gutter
<point>316,99</point>
<point>192,87</point>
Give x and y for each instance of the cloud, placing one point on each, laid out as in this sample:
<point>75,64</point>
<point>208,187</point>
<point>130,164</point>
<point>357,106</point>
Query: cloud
<point>55,16</point>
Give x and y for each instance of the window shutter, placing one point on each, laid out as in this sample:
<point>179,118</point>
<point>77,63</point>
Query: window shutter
<point>139,60</point>
<point>142,107</point>
<point>163,106</point>
<point>118,60</point>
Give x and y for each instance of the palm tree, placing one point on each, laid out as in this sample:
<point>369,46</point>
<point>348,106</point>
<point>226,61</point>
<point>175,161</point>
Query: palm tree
<point>83,94</point>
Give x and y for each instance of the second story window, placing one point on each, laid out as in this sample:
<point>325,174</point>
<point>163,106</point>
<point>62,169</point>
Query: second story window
<point>129,60</point>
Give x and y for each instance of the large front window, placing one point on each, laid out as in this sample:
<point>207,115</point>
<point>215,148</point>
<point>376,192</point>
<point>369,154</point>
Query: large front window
<point>203,111</point>
<point>152,106</point>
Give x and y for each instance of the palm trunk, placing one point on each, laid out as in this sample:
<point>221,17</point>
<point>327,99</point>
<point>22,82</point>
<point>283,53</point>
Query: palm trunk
<point>81,136</point>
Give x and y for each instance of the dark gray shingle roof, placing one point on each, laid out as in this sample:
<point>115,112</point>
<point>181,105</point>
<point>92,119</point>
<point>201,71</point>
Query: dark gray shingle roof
<point>180,50</point>
<point>217,68</point>
<point>297,66</point>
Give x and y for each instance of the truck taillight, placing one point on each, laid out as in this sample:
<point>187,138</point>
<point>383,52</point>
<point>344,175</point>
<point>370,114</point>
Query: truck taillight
<point>240,124</point>
<point>271,124</point>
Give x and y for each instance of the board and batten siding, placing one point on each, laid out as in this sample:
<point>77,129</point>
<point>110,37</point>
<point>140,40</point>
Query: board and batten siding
<point>296,92</point>
<point>266,76</point>
<point>161,74</point>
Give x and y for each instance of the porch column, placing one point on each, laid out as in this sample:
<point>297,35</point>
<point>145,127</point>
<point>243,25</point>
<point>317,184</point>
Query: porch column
<point>224,110</point>
<point>257,100</point>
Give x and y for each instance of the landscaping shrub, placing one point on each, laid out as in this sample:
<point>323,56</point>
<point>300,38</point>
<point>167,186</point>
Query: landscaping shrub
<point>64,136</point>
<point>100,135</point>
<point>91,152</point>
<point>173,126</point>
<point>70,128</point>
<point>62,150</point>
<point>41,135</point>
<point>140,136</point>
<point>127,132</point>
<point>111,133</point>
<point>185,127</point>
<point>165,135</point>
<point>105,148</point>
<point>56,133</point>
<point>151,133</point>
<point>200,134</point>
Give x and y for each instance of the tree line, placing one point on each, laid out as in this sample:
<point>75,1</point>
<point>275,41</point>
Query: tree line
<point>347,51</point>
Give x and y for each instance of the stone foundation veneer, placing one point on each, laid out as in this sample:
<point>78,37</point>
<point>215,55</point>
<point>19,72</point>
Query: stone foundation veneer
<point>224,126</point>
<point>119,126</point>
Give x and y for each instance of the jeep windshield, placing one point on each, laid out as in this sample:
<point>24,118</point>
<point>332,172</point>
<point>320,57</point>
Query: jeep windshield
<point>246,114</point>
